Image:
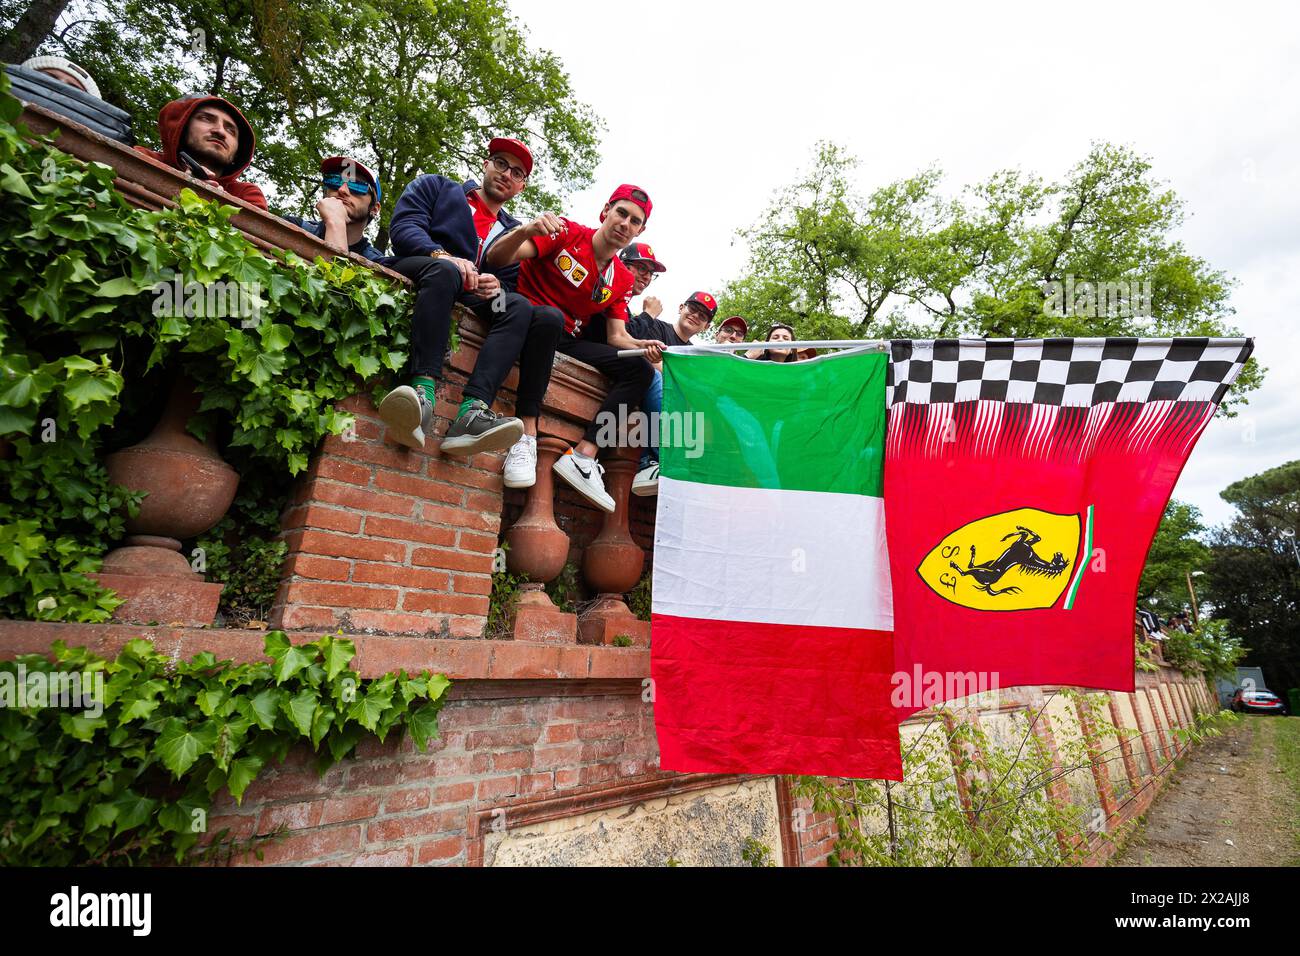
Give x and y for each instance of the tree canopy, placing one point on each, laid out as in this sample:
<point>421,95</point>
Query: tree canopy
<point>1015,255</point>
<point>404,86</point>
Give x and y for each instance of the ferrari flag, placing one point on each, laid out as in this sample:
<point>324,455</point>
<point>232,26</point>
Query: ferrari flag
<point>771,648</point>
<point>1024,481</point>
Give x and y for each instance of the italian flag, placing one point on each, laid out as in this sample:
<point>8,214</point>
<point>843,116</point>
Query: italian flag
<point>772,645</point>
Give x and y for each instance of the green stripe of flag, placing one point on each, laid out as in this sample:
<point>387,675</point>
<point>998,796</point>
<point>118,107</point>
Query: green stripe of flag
<point>801,426</point>
<point>1084,558</point>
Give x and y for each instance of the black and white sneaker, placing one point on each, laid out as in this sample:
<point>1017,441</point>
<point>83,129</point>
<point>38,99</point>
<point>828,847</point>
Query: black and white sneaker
<point>481,429</point>
<point>408,413</point>
<point>585,477</point>
<point>646,482</point>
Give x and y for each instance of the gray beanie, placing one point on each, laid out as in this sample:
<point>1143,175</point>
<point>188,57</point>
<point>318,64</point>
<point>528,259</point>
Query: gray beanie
<point>67,66</point>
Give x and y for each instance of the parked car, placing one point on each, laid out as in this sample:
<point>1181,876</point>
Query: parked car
<point>1256,702</point>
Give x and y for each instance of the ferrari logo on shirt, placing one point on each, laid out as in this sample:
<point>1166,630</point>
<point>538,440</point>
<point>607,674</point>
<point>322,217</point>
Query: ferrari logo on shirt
<point>569,268</point>
<point>605,293</point>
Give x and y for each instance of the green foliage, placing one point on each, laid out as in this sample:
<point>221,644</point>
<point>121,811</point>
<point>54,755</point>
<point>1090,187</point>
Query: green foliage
<point>243,553</point>
<point>1253,579</point>
<point>90,278</point>
<point>1144,655</point>
<point>756,853</point>
<point>1287,739</point>
<point>1011,820</point>
<point>405,86</point>
<point>640,600</point>
<point>1210,649</point>
<point>566,591</point>
<point>131,779</point>
<point>907,260</point>
<point>623,640</point>
<point>1176,550</point>
<point>501,604</point>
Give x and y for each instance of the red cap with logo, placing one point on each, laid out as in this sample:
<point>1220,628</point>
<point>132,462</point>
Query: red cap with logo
<point>736,322</point>
<point>632,194</point>
<point>504,144</point>
<point>706,301</point>
<point>641,252</point>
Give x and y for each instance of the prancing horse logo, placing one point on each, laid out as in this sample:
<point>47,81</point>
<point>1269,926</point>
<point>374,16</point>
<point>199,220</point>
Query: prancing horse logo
<point>991,563</point>
<point>1021,553</point>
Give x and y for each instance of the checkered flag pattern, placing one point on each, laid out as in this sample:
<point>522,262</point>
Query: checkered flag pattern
<point>1067,372</point>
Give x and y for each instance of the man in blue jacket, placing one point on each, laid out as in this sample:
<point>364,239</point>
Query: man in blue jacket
<point>440,230</point>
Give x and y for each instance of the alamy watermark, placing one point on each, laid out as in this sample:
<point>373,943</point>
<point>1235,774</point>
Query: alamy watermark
<point>1085,298</point>
<point>653,429</point>
<point>238,300</point>
<point>72,690</point>
<point>921,689</point>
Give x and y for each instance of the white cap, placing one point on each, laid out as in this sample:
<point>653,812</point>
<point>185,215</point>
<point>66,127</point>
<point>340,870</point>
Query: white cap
<point>67,66</point>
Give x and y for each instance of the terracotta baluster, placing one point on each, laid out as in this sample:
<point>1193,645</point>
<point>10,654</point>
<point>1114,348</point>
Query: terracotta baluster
<point>189,490</point>
<point>612,564</point>
<point>538,549</point>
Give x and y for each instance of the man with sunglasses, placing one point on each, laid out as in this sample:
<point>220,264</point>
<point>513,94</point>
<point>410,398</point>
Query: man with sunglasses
<point>441,230</point>
<point>645,268</point>
<point>350,202</point>
<point>575,271</point>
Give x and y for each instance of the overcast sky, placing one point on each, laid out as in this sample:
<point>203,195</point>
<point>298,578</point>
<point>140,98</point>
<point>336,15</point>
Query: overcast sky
<point>712,106</point>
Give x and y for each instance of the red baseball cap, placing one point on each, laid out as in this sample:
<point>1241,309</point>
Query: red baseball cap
<point>632,194</point>
<point>641,252</point>
<point>504,144</point>
<point>709,303</point>
<point>737,321</point>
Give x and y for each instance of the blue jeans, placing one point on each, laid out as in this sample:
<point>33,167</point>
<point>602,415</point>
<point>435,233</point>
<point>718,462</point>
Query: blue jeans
<point>652,405</point>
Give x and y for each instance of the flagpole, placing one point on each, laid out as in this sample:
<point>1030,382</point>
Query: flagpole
<point>871,345</point>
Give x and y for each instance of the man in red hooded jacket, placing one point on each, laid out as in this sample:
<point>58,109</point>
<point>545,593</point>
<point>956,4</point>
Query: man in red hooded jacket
<point>208,138</point>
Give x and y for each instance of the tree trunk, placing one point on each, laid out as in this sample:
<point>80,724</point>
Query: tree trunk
<point>36,23</point>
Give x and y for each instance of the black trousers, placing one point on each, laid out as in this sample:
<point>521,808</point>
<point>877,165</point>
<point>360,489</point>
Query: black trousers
<point>630,376</point>
<point>520,331</point>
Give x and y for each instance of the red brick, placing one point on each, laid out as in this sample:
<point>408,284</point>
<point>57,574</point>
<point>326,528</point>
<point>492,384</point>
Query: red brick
<point>341,809</point>
<point>292,816</point>
<point>408,531</point>
<point>403,801</point>
<point>531,783</point>
<point>283,786</point>
<point>499,737</point>
<point>483,501</point>
<point>472,584</point>
<point>424,488</point>
<point>601,750</point>
<point>482,543</point>
<point>367,573</point>
<point>290,618</point>
<point>318,516</point>
<point>440,850</point>
<point>461,517</point>
<point>452,793</point>
<point>515,660</point>
<point>599,773</point>
<point>416,825</point>
<point>339,546</point>
<point>371,747</point>
<point>616,727</point>
<point>561,733</point>
<point>317,568</point>
<point>340,595</point>
<point>340,469</point>
<point>564,779</point>
<point>444,603</point>
<point>309,845</point>
<point>460,474</point>
<point>396,457</point>
<point>372,775</point>
<point>362,499</point>
<point>452,560</point>
<point>496,788</point>
<point>512,760</point>
<point>400,856</point>
<point>391,621</point>
<point>468,627</point>
<point>240,827</point>
<point>555,758</point>
<point>448,765</point>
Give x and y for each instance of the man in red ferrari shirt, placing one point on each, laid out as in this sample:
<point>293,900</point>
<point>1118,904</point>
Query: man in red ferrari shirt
<point>575,269</point>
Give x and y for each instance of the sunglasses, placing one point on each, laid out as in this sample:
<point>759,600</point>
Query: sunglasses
<point>336,182</point>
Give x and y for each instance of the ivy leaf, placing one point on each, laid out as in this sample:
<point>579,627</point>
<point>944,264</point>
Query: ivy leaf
<point>300,709</point>
<point>132,811</point>
<point>368,709</point>
<point>320,724</point>
<point>242,772</point>
<point>12,181</point>
<point>178,746</point>
<point>294,660</point>
<point>423,724</point>
<point>100,815</point>
<point>115,288</point>
<point>338,654</point>
<point>265,706</point>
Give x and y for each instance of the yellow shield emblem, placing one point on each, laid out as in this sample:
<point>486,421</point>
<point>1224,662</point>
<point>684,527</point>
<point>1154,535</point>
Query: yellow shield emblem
<point>605,293</point>
<point>1011,561</point>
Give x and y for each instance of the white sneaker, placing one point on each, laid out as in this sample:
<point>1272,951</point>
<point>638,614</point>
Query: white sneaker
<point>586,478</point>
<point>646,482</point>
<point>521,463</point>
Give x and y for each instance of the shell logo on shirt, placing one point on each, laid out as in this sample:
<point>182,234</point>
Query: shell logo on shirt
<point>569,268</point>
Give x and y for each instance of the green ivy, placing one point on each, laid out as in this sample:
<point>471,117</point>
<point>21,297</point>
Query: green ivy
<point>640,600</point>
<point>85,283</point>
<point>565,591</point>
<point>131,779</point>
<point>1210,649</point>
